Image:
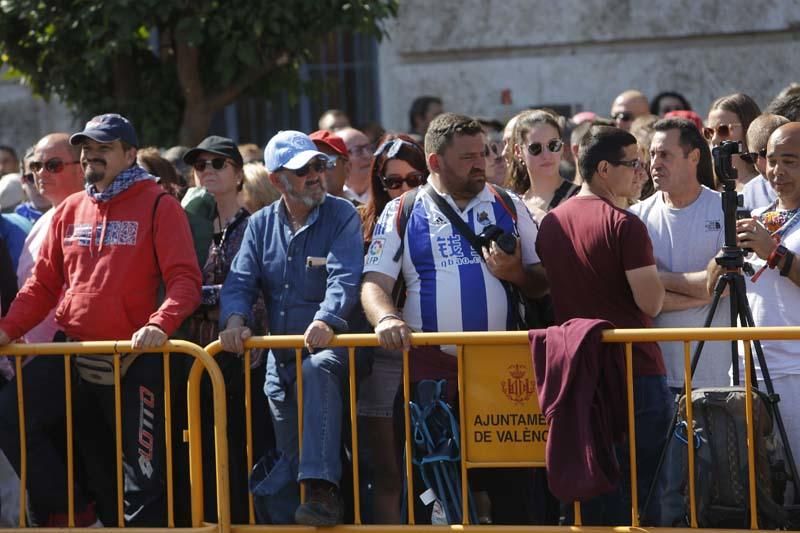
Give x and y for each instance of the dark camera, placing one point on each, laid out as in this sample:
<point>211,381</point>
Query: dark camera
<point>723,164</point>
<point>505,241</point>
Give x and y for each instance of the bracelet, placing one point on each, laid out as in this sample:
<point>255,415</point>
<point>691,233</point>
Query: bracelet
<point>387,316</point>
<point>775,256</point>
<point>787,264</point>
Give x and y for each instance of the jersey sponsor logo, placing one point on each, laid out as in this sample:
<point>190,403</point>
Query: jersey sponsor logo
<point>375,251</point>
<point>713,225</point>
<point>453,252</point>
<point>118,232</point>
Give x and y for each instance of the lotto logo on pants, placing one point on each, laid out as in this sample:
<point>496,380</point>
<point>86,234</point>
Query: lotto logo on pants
<point>147,402</point>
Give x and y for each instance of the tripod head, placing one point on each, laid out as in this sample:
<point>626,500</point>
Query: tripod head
<point>732,257</point>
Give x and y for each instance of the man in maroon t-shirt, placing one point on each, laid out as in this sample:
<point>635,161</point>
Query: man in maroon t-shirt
<point>599,262</point>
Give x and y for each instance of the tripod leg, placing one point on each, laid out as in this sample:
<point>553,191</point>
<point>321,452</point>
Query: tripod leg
<point>719,288</point>
<point>762,363</point>
<point>734,303</point>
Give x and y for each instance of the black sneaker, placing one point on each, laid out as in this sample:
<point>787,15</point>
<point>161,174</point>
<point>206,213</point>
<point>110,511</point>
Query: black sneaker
<point>323,506</point>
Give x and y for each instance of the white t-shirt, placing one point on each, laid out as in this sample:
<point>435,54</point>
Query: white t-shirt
<point>775,301</point>
<point>685,240</point>
<point>757,193</point>
<point>448,286</point>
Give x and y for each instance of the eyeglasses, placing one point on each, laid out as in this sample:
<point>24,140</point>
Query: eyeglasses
<point>623,116</point>
<point>54,166</point>
<point>752,157</point>
<point>635,164</point>
<point>723,130</point>
<point>317,165</point>
<point>553,145</point>
<point>216,163</point>
<point>362,150</point>
<point>395,181</point>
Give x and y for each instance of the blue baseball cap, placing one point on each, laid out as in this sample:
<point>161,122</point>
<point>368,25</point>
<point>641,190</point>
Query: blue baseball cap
<point>290,149</point>
<point>106,129</point>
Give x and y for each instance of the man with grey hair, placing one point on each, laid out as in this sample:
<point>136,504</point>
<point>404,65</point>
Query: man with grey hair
<point>359,151</point>
<point>305,253</point>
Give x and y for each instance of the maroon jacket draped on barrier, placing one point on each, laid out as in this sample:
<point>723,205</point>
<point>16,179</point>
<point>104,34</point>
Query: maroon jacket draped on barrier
<point>581,388</point>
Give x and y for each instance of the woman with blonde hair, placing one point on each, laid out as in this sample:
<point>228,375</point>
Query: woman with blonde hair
<point>257,191</point>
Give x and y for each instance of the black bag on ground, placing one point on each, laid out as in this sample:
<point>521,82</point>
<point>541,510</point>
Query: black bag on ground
<point>721,476</point>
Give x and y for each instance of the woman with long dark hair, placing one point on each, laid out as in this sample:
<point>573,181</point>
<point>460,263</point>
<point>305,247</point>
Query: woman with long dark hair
<point>398,166</point>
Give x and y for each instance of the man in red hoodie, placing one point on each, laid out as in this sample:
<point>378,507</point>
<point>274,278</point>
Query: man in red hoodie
<point>112,248</point>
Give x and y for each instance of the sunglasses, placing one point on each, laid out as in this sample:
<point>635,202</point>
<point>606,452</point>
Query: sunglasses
<point>494,148</point>
<point>635,164</point>
<point>553,145</point>
<point>317,165</point>
<point>362,150</point>
<point>723,130</point>
<point>216,163</point>
<point>53,166</point>
<point>623,116</point>
<point>392,148</point>
<point>752,157</point>
<point>394,181</point>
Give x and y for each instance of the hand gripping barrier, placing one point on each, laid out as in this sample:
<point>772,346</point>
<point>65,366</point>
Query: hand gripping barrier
<point>114,349</point>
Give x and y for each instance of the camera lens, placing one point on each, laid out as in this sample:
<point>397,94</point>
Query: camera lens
<point>507,242</point>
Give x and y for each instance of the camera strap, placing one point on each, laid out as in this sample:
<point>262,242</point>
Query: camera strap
<point>513,294</point>
<point>457,222</point>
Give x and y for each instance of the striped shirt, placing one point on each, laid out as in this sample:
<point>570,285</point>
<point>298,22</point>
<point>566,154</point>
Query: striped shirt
<point>449,287</point>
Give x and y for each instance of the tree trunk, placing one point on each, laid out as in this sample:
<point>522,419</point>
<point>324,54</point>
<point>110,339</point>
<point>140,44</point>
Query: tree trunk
<point>195,124</point>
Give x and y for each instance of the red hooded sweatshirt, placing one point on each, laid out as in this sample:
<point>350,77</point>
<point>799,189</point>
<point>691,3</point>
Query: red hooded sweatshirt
<point>111,258</point>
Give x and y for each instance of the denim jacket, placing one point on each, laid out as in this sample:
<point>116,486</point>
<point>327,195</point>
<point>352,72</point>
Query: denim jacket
<point>312,274</point>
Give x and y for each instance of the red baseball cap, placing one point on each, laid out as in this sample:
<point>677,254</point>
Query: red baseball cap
<point>323,138</point>
<point>688,115</point>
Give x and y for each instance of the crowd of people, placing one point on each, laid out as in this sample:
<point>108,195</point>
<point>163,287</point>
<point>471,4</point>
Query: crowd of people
<point>461,224</point>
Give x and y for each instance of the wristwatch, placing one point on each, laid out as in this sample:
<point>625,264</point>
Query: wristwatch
<point>787,264</point>
<point>777,254</point>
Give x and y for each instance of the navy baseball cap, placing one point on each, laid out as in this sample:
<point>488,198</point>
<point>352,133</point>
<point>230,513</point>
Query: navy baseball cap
<point>290,149</point>
<point>106,129</point>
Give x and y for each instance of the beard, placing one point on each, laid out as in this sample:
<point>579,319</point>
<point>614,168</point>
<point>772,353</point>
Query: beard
<point>310,199</point>
<point>92,175</point>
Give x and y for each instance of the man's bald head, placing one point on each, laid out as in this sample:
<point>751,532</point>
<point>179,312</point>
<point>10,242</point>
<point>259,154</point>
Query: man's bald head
<point>56,186</point>
<point>787,134</point>
<point>59,140</point>
<point>628,106</point>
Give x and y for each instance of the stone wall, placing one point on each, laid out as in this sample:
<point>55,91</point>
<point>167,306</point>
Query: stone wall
<point>24,119</point>
<point>584,52</point>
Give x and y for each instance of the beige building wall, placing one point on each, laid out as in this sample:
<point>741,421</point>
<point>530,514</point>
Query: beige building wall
<point>584,52</point>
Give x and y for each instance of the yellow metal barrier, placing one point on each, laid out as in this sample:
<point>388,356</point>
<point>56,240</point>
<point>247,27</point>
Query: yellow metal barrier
<point>474,373</point>
<point>114,349</point>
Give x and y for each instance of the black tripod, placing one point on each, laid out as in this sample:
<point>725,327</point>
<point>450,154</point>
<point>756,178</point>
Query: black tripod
<point>732,262</point>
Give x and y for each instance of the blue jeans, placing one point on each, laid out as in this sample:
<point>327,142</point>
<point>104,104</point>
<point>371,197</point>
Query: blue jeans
<point>324,380</point>
<point>653,404</point>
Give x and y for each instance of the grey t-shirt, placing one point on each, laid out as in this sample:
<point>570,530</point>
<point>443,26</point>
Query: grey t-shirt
<point>685,240</point>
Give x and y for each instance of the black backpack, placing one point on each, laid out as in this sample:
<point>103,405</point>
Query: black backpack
<point>721,476</point>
